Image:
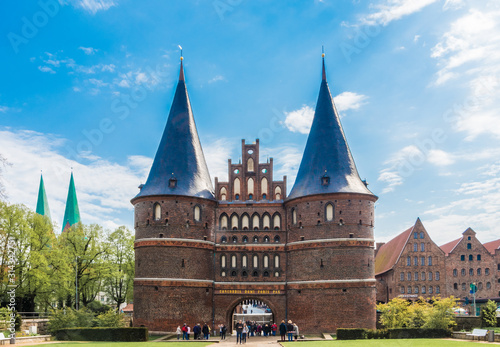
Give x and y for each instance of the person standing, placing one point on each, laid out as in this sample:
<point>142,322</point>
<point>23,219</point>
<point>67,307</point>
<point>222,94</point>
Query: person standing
<point>274,327</point>
<point>184,332</point>
<point>239,331</point>
<point>289,330</point>
<point>188,332</point>
<point>244,333</point>
<point>223,330</point>
<point>282,330</point>
<point>295,331</point>
<point>205,331</point>
<point>196,331</point>
<point>179,332</point>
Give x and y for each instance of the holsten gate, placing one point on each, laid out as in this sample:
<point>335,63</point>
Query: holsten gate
<point>200,251</point>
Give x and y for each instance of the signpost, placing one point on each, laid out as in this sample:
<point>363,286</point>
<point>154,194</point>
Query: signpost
<point>473,290</point>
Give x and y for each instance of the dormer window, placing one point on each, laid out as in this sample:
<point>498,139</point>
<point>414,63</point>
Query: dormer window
<point>325,179</point>
<point>172,182</point>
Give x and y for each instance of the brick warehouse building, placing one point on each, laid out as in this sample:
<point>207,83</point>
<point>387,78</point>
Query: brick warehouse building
<point>201,252</point>
<point>411,265</point>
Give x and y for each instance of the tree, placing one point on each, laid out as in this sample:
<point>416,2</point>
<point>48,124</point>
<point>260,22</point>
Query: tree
<point>120,280</point>
<point>3,164</point>
<point>441,316</point>
<point>489,314</point>
<point>395,313</point>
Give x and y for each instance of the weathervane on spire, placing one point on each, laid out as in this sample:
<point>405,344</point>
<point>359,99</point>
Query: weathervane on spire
<point>322,51</point>
<point>180,47</point>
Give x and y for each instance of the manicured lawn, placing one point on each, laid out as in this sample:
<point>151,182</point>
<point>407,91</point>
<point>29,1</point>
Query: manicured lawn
<point>130,344</point>
<point>382,343</point>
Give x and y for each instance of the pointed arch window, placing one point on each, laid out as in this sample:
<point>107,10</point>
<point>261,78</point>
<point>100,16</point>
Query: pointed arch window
<point>265,261</point>
<point>233,261</point>
<point>250,165</point>
<point>234,222</point>
<point>329,212</point>
<point>277,193</point>
<point>263,187</point>
<point>244,261</point>
<point>236,188</point>
<point>157,211</point>
<point>250,187</point>
<point>245,222</point>
<point>223,193</point>
<point>197,213</point>
<point>223,222</point>
<point>294,216</point>
<point>255,222</point>
<point>266,223</point>
<point>255,261</point>
<point>276,261</point>
<point>277,222</point>
<point>223,261</point>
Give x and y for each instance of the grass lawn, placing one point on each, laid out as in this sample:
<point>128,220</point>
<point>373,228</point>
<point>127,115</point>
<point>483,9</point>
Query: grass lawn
<point>382,343</point>
<point>130,344</point>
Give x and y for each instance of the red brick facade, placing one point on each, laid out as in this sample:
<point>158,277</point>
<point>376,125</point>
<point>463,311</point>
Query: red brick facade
<point>310,259</point>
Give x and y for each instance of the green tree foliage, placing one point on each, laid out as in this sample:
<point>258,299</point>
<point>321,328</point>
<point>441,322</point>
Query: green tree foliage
<point>400,313</point>
<point>69,318</point>
<point>3,164</point>
<point>110,319</point>
<point>489,314</point>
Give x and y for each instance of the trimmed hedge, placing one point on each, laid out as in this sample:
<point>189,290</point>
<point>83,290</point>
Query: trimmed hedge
<point>351,334</point>
<point>103,334</point>
<point>359,334</point>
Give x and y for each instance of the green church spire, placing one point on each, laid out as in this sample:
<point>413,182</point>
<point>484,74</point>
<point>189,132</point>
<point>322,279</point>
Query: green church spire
<point>72,213</point>
<point>42,205</point>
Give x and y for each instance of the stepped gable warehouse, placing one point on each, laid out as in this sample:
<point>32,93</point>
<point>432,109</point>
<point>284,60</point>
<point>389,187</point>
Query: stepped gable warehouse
<point>201,252</point>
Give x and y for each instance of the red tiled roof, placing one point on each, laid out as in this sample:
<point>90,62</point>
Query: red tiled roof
<point>389,253</point>
<point>128,308</point>
<point>448,247</point>
<point>492,245</point>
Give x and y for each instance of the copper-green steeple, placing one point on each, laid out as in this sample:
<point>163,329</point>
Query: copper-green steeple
<point>72,213</point>
<point>42,204</point>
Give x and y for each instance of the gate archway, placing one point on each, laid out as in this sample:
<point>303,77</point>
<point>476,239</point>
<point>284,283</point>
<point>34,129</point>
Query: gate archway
<point>252,310</point>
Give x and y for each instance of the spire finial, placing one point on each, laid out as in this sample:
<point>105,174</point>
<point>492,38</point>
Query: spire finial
<point>323,57</point>
<point>181,73</point>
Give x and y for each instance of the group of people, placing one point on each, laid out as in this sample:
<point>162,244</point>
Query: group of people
<point>291,330</point>
<point>244,330</point>
<point>197,331</point>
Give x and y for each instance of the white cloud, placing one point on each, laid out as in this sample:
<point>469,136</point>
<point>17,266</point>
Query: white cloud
<point>104,188</point>
<point>300,120</point>
<point>440,158</point>
<point>217,152</point>
<point>46,69</point>
<point>453,4</point>
<point>108,67</point>
<point>216,79</point>
<point>400,165</point>
<point>286,160</point>
<point>88,50</point>
<point>4,109</point>
<point>416,38</point>
<point>393,10</point>
<point>94,6</point>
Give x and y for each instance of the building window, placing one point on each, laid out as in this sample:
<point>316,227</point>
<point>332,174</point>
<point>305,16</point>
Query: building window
<point>244,261</point>
<point>223,239</point>
<point>294,216</point>
<point>455,286</point>
<point>223,261</point>
<point>245,239</point>
<point>486,271</point>
<point>429,261</point>
<point>422,261</point>
<point>421,234</point>
<point>277,222</point>
<point>244,274</point>
<point>437,278</point>
<point>416,290</point>
<point>266,223</point>
<point>402,276</point>
<point>329,212</point>
<point>233,261</point>
<point>480,286</point>
<point>263,188</point>
<point>422,276</point>
<point>471,257</point>
<point>409,276</point>
<point>255,239</point>
<point>415,261</point>
<point>223,273</point>
<point>277,193</point>
<point>233,273</point>
<point>471,272</point>
<point>250,166</point>
<point>250,187</point>
<point>463,272</point>
<point>223,193</point>
<point>277,239</point>
<point>430,290</point>
<point>438,289</point>
<point>409,290</point>
<point>430,276</point>
<point>234,239</point>
<point>197,213</point>
<point>469,246</point>
<point>265,261</point>
<point>276,261</point>
<point>422,247</point>
<point>276,274</point>
<point>255,274</point>
<point>423,289</point>
<point>462,257</point>
<point>245,222</point>
<point>455,272</point>
<point>488,285</point>
<point>236,188</point>
<point>479,272</point>
<point>415,235</point>
<point>408,261</point>
<point>234,222</point>
<point>266,239</point>
<point>157,212</point>
<point>415,247</point>
<point>223,222</point>
<point>416,276</point>
<point>402,289</point>
<point>255,261</point>
<point>479,257</point>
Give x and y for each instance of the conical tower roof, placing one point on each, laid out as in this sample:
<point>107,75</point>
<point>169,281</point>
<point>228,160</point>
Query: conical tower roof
<point>327,165</point>
<point>179,167</point>
<point>42,204</point>
<point>72,212</point>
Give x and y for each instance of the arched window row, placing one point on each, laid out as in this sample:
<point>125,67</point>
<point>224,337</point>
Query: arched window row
<point>250,262</point>
<point>251,190</point>
<point>157,213</point>
<point>254,239</point>
<point>253,273</point>
<point>245,222</point>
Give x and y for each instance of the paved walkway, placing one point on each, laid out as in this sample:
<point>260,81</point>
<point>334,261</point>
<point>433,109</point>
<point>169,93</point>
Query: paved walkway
<point>256,341</point>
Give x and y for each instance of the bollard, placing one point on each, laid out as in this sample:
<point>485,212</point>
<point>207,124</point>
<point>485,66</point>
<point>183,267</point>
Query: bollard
<point>491,335</point>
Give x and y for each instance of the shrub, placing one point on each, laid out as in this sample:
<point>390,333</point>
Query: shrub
<point>96,307</point>
<point>489,314</point>
<point>377,334</point>
<point>351,334</point>
<point>103,334</point>
<point>69,318</point>
<point>110,319</point>
<point>441,316</point>
<point>395,313</point>
<point>418,333</point>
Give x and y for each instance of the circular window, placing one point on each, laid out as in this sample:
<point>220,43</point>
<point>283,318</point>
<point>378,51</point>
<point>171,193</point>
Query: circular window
<point>236,171</point>
<point>264,170</point>
<point>250,151</point>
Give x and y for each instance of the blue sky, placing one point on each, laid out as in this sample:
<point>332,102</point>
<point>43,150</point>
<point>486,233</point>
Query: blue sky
<point>87,84</point>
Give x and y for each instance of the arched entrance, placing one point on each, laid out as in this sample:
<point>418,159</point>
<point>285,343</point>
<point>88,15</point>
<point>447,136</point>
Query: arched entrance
<point>254,311</point>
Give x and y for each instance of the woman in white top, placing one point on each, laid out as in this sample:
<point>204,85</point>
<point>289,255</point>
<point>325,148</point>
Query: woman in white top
<point>244,333</point>
<point>179,332</point>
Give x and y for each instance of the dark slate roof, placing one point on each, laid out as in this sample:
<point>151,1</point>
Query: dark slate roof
<point>327,153</point>
<point>179,154</point>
